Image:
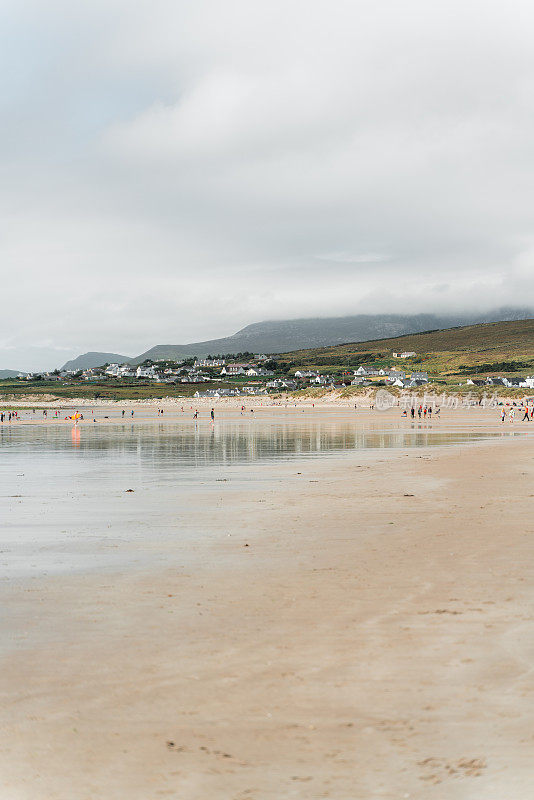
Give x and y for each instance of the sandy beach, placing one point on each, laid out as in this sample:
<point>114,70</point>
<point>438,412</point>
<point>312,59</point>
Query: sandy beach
<point>361,628</point>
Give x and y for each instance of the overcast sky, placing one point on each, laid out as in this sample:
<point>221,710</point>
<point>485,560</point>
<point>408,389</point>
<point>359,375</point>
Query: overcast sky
<point>172,171</point>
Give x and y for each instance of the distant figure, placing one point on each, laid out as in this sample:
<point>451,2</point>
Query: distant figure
<point>526,417</point>
<point>212,414</point>
<point>195,415</point>
<point>132,412</point>
<point>123,412</point>
<point>412,412</point>
<point>503,414</point>
<point>512,414</point>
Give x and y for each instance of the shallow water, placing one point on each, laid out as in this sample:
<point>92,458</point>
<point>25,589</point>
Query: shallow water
<point>63,491</point>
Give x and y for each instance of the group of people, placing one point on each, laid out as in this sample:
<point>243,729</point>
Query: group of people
<point>7,416</point>
<point>212,414</point>
<point>528,413</point>
<point>423,412</point>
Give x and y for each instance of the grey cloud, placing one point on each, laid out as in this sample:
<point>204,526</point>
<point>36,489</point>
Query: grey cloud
<point>173,171</point>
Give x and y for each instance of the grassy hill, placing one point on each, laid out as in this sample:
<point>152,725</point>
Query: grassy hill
<point>504,348</point>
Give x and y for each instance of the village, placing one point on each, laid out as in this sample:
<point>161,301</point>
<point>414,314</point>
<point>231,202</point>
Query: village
<point>255,374</point>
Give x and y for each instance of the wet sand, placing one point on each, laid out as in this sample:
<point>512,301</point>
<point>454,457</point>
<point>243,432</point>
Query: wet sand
<point>363,630</point>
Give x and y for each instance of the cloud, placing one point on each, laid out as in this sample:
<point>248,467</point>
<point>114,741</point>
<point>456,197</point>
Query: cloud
<point>354,258</point>
<point>173,171</point>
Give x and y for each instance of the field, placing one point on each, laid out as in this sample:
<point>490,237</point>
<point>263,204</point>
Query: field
<point>500,348</point>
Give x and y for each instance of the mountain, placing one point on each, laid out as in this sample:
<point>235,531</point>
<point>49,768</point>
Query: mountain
<point>498,347</point>
<point>92,359</point>
<point>296,334</point>
<point>10,373</point>
<point>280,336</point>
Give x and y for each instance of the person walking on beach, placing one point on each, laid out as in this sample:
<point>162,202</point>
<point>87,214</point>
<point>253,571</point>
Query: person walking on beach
<point>212,414</point>
<point>123,412</point>
<point>132,412</point>
<point>503,414</point>
<point>195,415</point>
<point>412,412</point>
<point>526,416</point>
<point>512,414</point>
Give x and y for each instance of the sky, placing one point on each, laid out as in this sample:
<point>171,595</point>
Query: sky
<point>173,171</point>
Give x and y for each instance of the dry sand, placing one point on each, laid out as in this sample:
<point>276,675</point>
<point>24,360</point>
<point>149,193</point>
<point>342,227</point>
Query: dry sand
<point>375,639</point>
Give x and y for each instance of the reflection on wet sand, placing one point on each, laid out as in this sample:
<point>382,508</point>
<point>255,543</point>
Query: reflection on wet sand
<point>173,444</point>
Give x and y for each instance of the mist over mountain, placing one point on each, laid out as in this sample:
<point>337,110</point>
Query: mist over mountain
<point>278,336</point>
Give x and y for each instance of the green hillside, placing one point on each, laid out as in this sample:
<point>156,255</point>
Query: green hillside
<point>504,348</point>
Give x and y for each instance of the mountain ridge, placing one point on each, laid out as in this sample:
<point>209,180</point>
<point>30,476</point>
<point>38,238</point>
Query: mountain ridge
<point>273,336</point>
<point>10,373</point>
<point>91,359</point>
<point>282,336</point>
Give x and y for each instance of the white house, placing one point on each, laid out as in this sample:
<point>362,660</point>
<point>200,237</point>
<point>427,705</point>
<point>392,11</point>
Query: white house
<point>407,354</point>
<point>306,374</point>
<point>528,383</point>
<point>280,383</point>
<point>258,371</point>
<point>210,362</point>
<point>235,369</point>
<point>145,372</point>
<point>419,376</point>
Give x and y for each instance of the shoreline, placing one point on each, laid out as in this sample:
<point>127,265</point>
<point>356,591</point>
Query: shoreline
<point>337,399</point>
